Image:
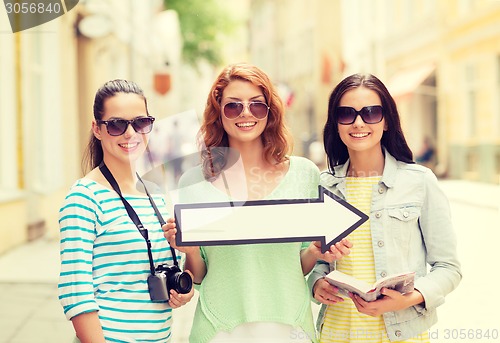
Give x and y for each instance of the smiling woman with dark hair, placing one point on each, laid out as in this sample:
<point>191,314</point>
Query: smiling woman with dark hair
<point>105,258</point>
<point>410,229</point>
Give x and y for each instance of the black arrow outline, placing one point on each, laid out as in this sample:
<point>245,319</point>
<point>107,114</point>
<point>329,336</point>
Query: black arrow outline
<point>324,245</point>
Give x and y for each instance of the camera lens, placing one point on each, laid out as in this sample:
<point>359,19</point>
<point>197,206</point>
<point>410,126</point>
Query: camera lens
<point>179,281</point>
<point>184,283</point>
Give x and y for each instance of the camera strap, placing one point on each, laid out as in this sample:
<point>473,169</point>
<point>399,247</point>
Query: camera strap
<point>159,216</point>
<point>133,215</point>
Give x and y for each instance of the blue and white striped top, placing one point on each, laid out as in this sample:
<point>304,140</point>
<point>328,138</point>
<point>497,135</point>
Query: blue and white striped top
<point>105,266</point>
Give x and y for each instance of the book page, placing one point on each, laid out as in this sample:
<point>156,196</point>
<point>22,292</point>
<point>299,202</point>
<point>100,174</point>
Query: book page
<point>350,283</point>
<point>402,283</point>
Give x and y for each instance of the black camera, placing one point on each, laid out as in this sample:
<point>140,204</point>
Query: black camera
<point>166,278</point>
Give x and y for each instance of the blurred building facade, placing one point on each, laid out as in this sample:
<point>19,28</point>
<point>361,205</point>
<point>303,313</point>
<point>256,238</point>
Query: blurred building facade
<point>49,76</point>
<point>298,44</point>
<point>439,59</point>
<point>38,94</point>
<point>469,101</point>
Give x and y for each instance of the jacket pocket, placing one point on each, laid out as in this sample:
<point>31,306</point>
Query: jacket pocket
<point>403,223</point>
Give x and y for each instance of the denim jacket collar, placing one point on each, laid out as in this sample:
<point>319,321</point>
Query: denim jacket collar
<point>390,170</point>
<point>340,171</point>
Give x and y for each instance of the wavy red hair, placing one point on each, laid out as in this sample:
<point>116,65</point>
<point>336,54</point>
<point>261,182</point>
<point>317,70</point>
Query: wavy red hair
<point>276,137</point>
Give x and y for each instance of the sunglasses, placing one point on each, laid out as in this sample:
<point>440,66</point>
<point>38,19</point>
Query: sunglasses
<point>117,127</point>
<point>233,110</point>
<point>369,114</point>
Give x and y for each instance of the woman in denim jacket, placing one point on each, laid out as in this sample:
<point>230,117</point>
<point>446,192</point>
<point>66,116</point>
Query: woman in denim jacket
<point>410,229</point>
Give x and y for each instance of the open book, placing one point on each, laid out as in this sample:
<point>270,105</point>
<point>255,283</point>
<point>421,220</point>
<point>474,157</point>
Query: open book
<point>402,282</point>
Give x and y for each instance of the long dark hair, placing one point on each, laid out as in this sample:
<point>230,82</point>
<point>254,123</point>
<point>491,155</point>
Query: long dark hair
<point>213,138</point>
<point>392,139</point>
<point>93,153</point>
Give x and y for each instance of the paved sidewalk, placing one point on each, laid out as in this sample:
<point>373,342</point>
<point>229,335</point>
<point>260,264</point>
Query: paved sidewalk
<point>472,193</point>
<point>29,308</point>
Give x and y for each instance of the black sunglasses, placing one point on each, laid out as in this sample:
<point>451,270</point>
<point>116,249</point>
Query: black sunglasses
<point>233,110</point>
<point>369,114</point>
<point>117,127</point>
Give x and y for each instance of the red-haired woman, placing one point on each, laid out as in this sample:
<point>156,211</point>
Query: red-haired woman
<point>252,292</point>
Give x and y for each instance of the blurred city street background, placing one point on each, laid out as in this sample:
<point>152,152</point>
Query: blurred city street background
<point>440,59</point>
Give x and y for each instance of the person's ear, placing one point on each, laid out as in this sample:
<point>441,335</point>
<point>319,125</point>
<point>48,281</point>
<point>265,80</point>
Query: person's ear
<point>96,130</point>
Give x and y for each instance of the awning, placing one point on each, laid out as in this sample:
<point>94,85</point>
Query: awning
<point>407,81</point>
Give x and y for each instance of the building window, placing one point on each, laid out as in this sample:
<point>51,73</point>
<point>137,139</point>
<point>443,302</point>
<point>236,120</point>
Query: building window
<point>470,100</point>
<point>42,109</point>
<point>497,162</point>
<point>472,162</point>
<point>9,130</point>
<point>496,108</point>
<point>409,11</point>
<point>465,6</point>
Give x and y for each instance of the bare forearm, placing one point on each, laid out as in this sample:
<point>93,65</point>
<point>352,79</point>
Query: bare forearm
<point>88,328</point>
<point>313,253</point>
<point>415,298</point>
<point>307,259</point>
<point>196,265</point>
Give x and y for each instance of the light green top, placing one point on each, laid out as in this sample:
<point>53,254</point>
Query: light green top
<point>253,282</point>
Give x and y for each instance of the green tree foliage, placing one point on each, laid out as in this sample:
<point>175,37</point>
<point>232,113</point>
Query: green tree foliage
<point>202,22</point>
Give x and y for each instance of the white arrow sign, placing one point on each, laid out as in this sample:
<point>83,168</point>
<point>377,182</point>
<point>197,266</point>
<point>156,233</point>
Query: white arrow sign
<point>327,219</point>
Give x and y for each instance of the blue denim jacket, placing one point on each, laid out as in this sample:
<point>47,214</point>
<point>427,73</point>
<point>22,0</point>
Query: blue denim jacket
<point>411,230</point>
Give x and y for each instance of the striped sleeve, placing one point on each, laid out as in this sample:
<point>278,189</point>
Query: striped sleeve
<point>77,221</point>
